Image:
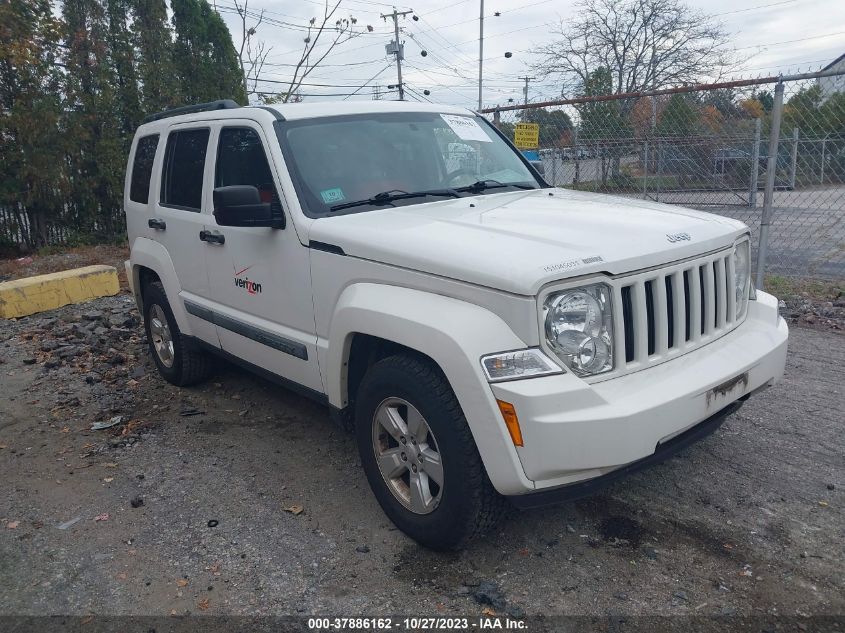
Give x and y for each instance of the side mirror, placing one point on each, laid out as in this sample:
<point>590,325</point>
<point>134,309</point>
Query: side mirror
<point>538,165</point>
<point>240,205</point>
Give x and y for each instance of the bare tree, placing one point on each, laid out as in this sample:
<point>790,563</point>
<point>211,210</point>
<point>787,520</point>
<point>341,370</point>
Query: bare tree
<point>645,44</point>
<point>341,30</point>
<point>252,52</point>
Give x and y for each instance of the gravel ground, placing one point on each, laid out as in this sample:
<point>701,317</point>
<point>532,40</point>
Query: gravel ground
<point>238,497</point>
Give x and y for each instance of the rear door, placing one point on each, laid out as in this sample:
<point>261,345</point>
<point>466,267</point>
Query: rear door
<point>177,220</point>
<point>260,277</point>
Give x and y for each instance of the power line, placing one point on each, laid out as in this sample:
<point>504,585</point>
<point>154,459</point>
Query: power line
<point>363,85</point>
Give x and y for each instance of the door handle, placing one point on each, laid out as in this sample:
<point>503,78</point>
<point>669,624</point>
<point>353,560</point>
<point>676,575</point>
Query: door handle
<point>212,237</point>
<point>155,223</point>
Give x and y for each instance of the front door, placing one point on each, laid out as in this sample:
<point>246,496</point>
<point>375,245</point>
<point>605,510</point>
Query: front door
<point>260,277</point>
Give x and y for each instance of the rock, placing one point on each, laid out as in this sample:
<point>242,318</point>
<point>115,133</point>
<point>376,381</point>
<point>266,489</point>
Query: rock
<point>831,487</point>
<point>92,315</point>
<point>650,553</point>
<point>488,592</point>
<point>136,502</point>
<point>48,346</point>
<point>68,352</point>
<point>680,595</point>
<point>137,372</point>
<point>620,596</point>
<point>29,360</point>
<point>116,359</point>
<point>363,549</point>
<point>101,331</point>
<point>516,612</point>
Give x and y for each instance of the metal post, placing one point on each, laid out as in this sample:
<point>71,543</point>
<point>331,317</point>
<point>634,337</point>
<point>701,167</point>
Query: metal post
<point>659,170</point>
<point>575,154</point>
<point>768,194</point>
<point>497,118</point>
<point>480,50</point>
<point>755,165</point>
<point>794,166</point>
<point>821,178</point>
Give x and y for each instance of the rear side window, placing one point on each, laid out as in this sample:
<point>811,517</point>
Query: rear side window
<point>184,163</point>
<point>142,168</point>
<point>241,161</point>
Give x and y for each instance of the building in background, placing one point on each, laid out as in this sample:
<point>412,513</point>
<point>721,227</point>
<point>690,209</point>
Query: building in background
<point>832,85</point>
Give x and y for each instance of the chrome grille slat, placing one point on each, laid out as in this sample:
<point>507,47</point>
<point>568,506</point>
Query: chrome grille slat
<point>640,322</point>
<point>708,298</point>
<point>680,307</point>
<point>731,275</point>
<point>721,298</point>
<point>661,321</point>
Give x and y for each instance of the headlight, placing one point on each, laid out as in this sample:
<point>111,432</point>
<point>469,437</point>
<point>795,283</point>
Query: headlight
<point>742,276</point>
<point>579,326</point>
<point>525,363</point>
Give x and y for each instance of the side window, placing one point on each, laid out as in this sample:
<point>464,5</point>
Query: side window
<point>184,162</point>
<point>241,161</point>
<point>142,169</point>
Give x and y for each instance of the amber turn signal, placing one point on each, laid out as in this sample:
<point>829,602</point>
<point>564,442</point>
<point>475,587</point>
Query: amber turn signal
<point>511,421</point>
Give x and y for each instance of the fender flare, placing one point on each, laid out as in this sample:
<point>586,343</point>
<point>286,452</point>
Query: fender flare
<point>455,334</point>
<point>150,254</point>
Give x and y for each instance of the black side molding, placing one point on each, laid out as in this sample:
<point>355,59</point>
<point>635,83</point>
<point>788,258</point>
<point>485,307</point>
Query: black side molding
<point>570,492</point>
<point>260,335</point>
<point>311,394</point>
<point>324,246</point>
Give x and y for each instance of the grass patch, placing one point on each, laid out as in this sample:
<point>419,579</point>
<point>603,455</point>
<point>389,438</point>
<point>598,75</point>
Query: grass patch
<point>820,290</point>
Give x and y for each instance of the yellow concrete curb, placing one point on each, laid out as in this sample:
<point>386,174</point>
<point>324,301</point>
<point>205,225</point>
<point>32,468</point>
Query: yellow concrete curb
<point>23,297</point>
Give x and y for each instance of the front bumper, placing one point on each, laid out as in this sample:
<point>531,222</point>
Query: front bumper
<point>575,431</point>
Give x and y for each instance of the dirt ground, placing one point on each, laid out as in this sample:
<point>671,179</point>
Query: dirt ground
<point>184,506</point>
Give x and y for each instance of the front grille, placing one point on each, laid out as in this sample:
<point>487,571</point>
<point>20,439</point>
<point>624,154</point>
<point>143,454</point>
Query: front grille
<point>662,313</point>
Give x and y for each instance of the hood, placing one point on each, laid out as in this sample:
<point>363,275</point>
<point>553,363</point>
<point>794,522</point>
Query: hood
<point>519,241</point>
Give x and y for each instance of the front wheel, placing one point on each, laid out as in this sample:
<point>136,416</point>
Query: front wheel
<point>419,455</point>
<point>177,359</point>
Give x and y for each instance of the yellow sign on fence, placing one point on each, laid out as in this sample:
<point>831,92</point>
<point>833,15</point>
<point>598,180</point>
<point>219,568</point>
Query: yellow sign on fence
<point>526,135</point>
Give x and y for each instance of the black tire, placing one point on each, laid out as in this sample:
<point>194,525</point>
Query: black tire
<point>190,365</point>
<point>468,505</point>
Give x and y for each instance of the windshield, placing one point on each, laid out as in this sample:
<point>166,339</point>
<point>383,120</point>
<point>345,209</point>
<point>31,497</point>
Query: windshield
<point>368,161</point>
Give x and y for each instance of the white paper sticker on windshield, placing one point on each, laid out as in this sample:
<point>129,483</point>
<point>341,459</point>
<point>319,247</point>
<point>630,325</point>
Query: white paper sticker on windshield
<point>466,128</point>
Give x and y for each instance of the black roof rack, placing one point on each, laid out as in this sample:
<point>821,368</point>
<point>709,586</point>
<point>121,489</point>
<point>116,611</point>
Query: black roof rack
<point>221,104</point>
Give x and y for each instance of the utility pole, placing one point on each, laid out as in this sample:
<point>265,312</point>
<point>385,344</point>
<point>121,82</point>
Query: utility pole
<point>397,48</point>
<point>480,51</point>
<point>525,90</point>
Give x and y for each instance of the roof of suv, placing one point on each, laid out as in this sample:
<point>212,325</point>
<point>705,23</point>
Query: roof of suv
<point>297,111</point>
<point>332,108</point>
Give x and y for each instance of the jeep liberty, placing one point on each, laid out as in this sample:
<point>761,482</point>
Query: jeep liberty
<point>490,339</point>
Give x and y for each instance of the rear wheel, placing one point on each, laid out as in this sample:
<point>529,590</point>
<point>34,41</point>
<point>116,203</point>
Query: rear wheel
<point>178,360</point>
<point>419,454</point>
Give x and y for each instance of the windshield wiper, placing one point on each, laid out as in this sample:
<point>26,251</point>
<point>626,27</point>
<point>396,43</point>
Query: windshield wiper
<point>387,197</point>
<point>483,185</point>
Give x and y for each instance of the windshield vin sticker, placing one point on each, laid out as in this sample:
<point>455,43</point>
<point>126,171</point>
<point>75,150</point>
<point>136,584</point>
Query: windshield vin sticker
<point>466,128</point>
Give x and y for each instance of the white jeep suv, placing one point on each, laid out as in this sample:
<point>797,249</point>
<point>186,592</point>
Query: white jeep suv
<point>488,337</point>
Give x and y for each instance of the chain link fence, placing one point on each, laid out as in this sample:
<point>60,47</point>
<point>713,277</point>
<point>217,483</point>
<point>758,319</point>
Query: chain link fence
<point>769,152</point>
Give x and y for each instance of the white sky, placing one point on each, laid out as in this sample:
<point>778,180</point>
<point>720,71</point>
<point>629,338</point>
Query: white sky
<point>770,36</point>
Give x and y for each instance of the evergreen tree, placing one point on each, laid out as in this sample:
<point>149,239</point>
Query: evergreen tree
<point>205,61</point>
<point>96,153</point>
<point>154,46</point>
<point>32,181</point>
<point>123,60</point>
